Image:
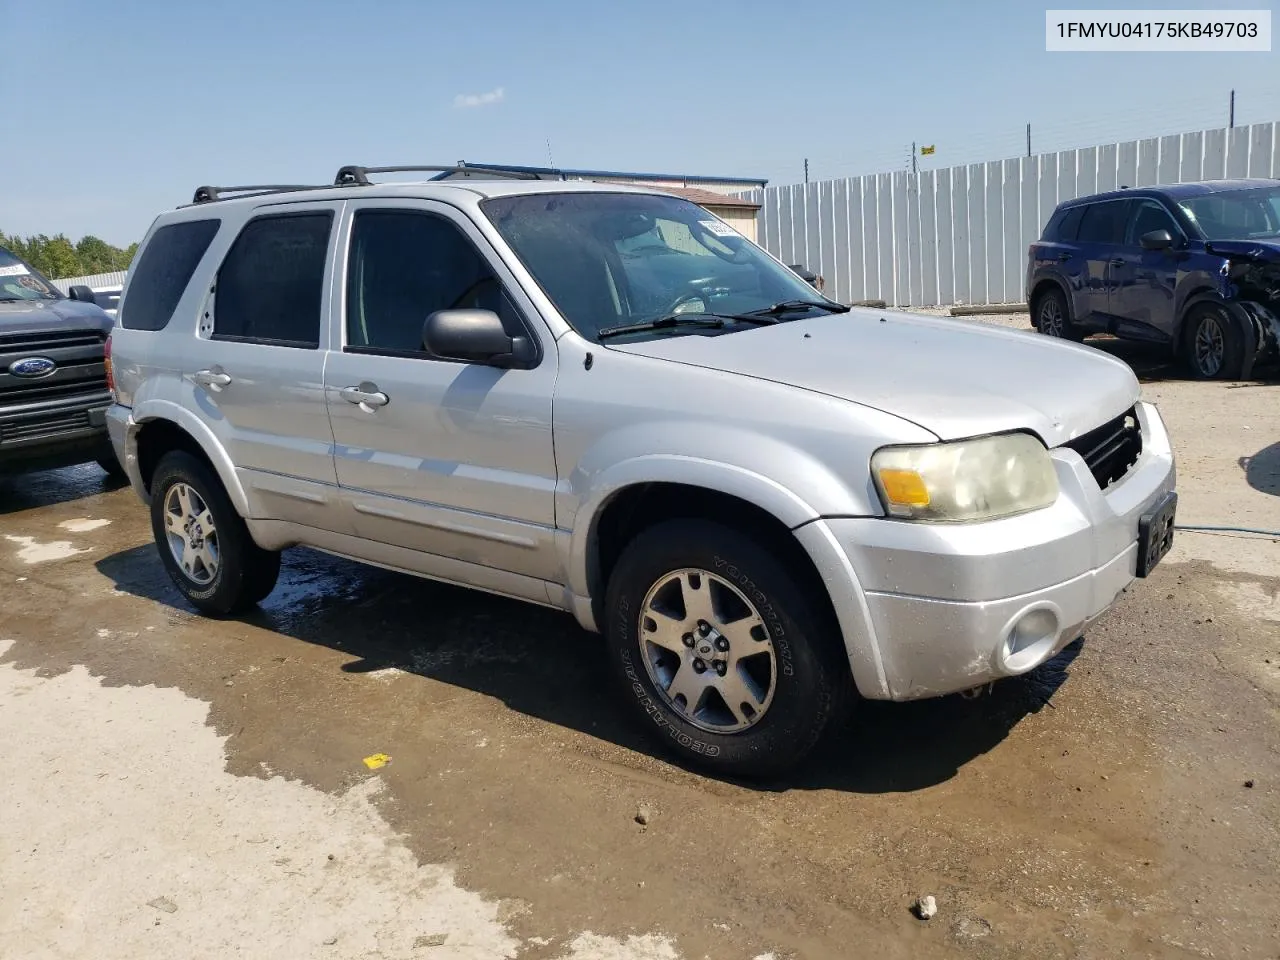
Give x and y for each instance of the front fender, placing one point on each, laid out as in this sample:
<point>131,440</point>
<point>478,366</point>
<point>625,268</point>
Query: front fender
<point>154,409</point>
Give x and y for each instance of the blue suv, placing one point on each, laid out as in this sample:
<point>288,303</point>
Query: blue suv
<point>1194,267</point>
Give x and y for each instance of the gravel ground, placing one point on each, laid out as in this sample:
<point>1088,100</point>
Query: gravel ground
<point>176,786</point>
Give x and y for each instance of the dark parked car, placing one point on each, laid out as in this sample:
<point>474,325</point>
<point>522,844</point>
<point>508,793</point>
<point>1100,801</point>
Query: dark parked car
<point>54,392</point>
<point>1193,266</point>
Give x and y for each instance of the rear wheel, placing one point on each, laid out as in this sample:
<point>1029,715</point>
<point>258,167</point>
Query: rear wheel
<point>721,653</point>
<point>1213,348</point>
<point>204,544</point>
<point>1053,318</point>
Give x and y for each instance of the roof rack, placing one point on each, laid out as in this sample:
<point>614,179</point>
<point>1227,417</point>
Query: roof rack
<point>213,194</point>
<point>359,176</point>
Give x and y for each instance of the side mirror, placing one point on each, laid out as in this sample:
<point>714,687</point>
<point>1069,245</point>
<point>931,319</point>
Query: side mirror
<point>476,336</point>
<point>83,294</point>
<point>1157,240</point>
<point>807,275</point>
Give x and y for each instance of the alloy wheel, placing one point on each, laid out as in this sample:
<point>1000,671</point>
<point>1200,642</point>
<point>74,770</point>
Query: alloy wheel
<point>192,534</point>
<point>707,650</point>
<point>1210,346</point>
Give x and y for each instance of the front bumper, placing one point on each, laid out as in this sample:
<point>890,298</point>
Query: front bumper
<point>936,608</point>
<point>50,435</point>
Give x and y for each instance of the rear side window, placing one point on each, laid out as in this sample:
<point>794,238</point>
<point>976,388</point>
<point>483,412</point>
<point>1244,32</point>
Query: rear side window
<point>1103,222</point>
<point>163,272</point>
<point>270,284</point>
<point>1065,226</point>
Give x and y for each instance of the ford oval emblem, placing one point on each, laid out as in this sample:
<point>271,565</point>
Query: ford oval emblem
<point>32,367</point>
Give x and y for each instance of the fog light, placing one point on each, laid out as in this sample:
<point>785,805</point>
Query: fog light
<point>1030,640</point>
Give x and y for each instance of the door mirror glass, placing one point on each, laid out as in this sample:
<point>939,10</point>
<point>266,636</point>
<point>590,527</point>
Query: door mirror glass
<point>476,336</point>
<point>1157,240</point>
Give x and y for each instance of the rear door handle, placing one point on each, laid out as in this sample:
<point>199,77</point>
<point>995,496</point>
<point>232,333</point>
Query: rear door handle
<point>213,377</point>
<point>1117,262</point>
<point>366,396</point>
<point>1064,257</point>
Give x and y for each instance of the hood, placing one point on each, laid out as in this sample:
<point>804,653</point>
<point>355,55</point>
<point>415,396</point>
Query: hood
<point>955,378</point>
<point>1267,250</point>
<point>35,316</point>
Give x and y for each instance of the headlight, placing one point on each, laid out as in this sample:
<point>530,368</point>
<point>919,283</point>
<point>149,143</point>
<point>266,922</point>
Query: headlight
<point>966,480</point>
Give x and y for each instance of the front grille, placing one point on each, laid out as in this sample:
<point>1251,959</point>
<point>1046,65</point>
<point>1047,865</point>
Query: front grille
<point>1111,450</point>
<point>46,427</point>
<point>79,370</point>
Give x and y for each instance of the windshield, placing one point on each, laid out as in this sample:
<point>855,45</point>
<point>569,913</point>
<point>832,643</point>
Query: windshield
<point>19,282</point>
<point>1236,214</point>
<point>609,260</point>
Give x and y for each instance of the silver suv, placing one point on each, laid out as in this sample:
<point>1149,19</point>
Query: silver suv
<point>605,400</point>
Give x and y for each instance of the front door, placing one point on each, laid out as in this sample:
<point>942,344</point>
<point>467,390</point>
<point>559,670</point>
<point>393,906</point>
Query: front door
<point>447,458</point>
<point>1147,279</point>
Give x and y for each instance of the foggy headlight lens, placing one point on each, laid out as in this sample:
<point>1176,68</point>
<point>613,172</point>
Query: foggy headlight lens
<point>966,480</point>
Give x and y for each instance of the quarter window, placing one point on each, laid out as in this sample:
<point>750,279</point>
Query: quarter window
<point>163,272</point>
<point>404,266</point>
<point>270,285</point>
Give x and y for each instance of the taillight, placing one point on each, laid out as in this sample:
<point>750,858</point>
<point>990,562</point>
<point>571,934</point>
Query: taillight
<point>106,363</point>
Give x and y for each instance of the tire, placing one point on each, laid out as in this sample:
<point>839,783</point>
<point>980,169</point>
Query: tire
<point>227,572</point>
<point>1212,346</point>
<point>794,686</point>
<point>111,467</point>
<point>1053,317</point>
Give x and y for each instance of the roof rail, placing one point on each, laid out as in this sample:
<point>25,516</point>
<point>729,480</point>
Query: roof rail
<point>359,176</point>
<point>212,194</point>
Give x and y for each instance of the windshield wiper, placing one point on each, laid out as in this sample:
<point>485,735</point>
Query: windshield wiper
<point>786,306</point>
<point>711,320</point>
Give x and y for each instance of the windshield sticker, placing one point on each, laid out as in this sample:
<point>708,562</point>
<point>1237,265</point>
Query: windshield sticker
<point>718,228</point>
<point>31,283</point>
<point>17,270</point>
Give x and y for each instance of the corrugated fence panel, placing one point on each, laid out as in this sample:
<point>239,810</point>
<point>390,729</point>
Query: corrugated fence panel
<point>960,234</point>
<point>928,238</point>
<point>946,236</point>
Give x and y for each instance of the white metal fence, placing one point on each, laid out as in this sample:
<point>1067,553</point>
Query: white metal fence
<point>960,234</point>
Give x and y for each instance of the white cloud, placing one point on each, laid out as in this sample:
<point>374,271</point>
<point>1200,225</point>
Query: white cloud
<point>468,100</point>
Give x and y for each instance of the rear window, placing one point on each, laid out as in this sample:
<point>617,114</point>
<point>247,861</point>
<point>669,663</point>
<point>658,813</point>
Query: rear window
<point>163,272</point>
<point>270,284</point>
<point>1103,222</point>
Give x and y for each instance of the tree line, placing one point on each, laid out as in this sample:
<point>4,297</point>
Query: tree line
<point>57,257</point>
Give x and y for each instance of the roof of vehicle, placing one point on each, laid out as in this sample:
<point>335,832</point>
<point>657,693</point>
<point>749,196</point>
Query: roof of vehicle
<point>1175,191</point>
<point>607,174</point>
<point>422,189</point>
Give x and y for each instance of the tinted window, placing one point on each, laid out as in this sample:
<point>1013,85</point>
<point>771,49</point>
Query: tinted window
<point>163,272</point>
<point>1149,215</point>
<point>405,266</point>
<point>1067,226</point>
<point>1103,222</point>
<point>270,284</point>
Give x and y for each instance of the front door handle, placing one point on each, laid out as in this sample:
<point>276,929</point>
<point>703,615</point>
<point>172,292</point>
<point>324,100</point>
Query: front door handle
<point>1064,257</point>
<point>214,377</point>
<point>366,396</point>
<point>1117,262</point>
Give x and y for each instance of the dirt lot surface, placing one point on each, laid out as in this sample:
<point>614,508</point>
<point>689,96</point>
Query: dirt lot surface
<point>178,787</point>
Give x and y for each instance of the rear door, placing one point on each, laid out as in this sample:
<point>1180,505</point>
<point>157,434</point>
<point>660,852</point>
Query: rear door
<point>450,458</point>
<point>258,373</point>
<point>1100,241</point>
<point>1146,280</point>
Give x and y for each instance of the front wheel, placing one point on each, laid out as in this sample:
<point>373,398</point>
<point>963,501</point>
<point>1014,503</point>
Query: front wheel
<point>721,653</point>
<point>1214,349</point>
<point>204,544</point>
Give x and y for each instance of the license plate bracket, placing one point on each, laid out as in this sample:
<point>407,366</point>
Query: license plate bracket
<point>1155,533</point>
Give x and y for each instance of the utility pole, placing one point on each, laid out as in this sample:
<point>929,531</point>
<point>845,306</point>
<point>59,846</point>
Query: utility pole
<point>1231,121</point>
<point>1028,139</point>
<point>914,168</point>
<point>806,169</point>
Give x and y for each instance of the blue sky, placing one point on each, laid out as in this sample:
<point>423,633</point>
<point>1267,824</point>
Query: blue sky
<point>115,111</point>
